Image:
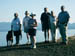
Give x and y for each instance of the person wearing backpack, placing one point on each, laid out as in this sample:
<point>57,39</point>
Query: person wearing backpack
<point>63,19</point>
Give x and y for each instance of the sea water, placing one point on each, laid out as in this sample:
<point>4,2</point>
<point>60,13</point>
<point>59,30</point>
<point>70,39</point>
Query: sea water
<point>39,36</point>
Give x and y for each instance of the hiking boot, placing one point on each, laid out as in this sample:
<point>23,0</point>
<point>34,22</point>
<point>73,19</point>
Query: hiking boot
<point>63,43</point>
<point>46,41</point>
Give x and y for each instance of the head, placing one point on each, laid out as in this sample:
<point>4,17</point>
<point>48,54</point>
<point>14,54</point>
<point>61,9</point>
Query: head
<point>32,15</point>
<point>15,15</point>
<point>52,13</point>
<point>45,9</point>
<point>62,8</point>
<point>26,13</point>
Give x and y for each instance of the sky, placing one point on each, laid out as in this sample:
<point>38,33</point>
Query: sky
<point>9,7</point>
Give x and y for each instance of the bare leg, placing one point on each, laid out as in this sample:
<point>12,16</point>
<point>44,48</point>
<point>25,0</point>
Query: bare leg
<point>45,34</point>
<point>27,36</point>
<point>48,35</point>
<point>33,41</point>
<point>7,43</point>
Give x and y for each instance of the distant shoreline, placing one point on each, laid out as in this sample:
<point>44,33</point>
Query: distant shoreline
<point>23,30</point>
<point>5,26</point>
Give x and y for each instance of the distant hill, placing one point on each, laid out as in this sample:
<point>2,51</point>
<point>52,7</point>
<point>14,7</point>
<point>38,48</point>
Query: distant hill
<point>71,26</point>
<point>5,26</point>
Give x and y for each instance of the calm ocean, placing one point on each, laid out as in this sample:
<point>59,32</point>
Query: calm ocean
<point>39,36</point>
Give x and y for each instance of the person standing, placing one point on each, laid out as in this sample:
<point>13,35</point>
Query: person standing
<point>25,25</point>
<point>45,23</point>
<point>15,27</point>
<point>53,26</point>
<point>63,19</point>
<point>32,30</point>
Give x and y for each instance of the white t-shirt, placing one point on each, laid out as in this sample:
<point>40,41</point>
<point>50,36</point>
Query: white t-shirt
<point>25,22</point>
<point>16,24</point>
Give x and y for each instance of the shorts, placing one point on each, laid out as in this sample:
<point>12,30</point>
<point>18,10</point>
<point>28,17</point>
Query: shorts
<point>17,33</point>
<point>32,32</point>
<point>45,27</point>
<point>26,30</point>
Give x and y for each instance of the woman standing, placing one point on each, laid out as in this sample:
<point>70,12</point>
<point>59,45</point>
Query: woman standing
<point>32,30</point>
<point>16,26</point>
<point>53,26</point>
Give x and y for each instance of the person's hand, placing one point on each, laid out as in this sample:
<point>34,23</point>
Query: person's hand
<point>65,24</point>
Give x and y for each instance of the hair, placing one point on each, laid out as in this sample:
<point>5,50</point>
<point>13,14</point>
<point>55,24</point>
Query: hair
<point>15,14</point>
<point>45,8</point>
<point>62,6</point>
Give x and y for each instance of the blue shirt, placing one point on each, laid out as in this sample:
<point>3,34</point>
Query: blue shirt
<point>25,22</point>
<point>32,22</point>
<point>16,24</point>
<point>63,17</point>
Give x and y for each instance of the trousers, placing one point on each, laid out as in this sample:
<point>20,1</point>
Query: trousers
<point>62,30</point>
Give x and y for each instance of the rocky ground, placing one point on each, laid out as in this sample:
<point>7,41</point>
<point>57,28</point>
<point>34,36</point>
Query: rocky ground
<point>43,49</point>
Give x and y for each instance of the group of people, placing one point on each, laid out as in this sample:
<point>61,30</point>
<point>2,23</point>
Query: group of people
<point>29,25</point>
<point>49,23</point>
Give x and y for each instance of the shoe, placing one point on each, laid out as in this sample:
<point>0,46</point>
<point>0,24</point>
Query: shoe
<point>53,42</point>
<point>33,47</point>
<point>63,43</point>
<point>46,41</point>
<point>17,44</point>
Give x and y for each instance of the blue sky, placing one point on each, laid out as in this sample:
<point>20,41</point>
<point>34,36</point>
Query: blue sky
<point>9,7</point>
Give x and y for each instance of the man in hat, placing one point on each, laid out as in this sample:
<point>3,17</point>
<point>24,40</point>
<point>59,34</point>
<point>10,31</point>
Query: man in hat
<point>25,25</point>
<point>45,23</point>
<point>32,30</point>
<point>63,19</point>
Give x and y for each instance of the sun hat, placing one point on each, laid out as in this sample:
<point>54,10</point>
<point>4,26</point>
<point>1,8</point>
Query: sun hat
<point>32,14</point>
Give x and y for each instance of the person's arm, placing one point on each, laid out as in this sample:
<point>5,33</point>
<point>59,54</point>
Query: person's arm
<point>23,23</point>
<point>35,24</point>
<point>20,29</point>
<point>19,25</point>
<point>68,17</point>
<point>41,18</point>
<point>57,22</point>
<point>12,26</point>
